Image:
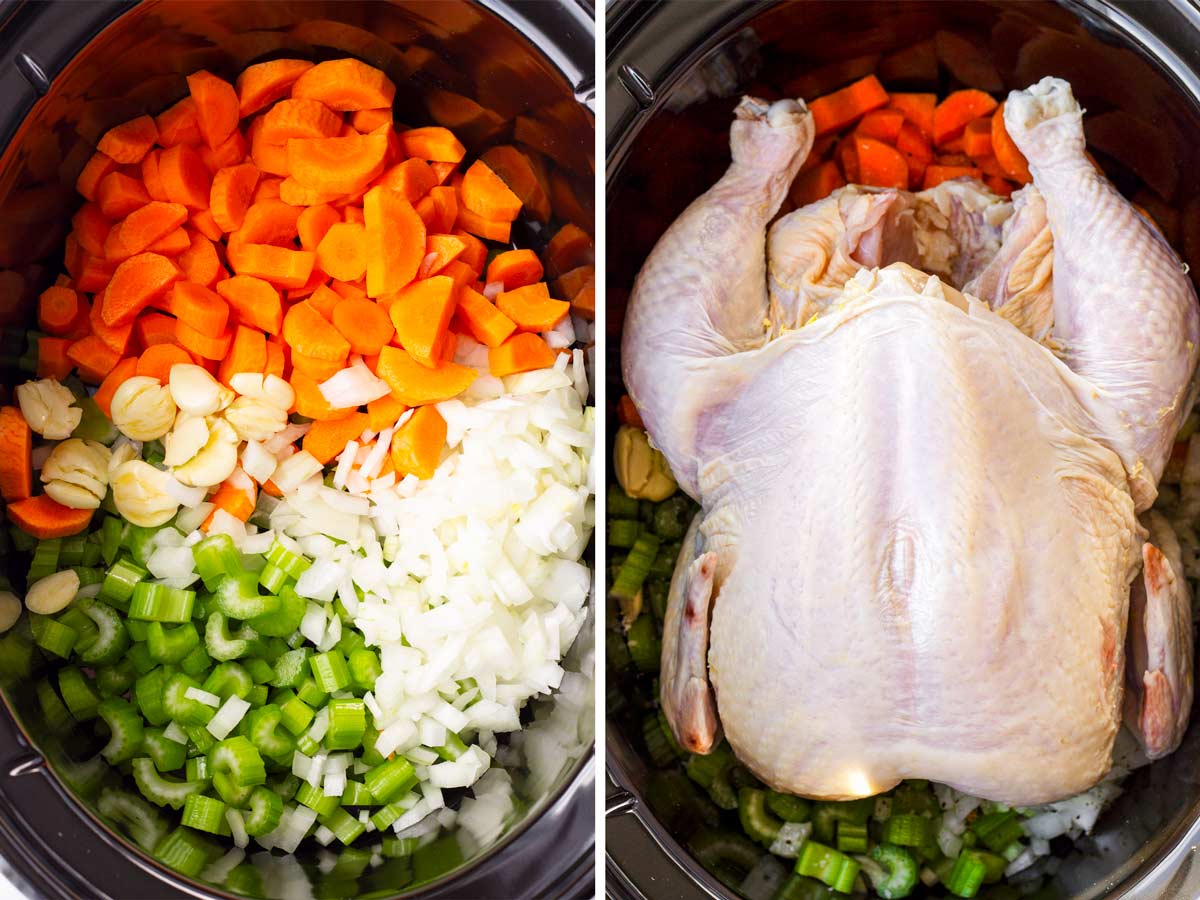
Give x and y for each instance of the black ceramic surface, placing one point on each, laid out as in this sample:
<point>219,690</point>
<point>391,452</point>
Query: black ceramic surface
<point>69,71</point>
<point>674,73</point>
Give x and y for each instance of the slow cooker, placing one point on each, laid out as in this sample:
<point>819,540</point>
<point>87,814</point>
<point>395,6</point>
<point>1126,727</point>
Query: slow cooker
<point>69,71</point>
<point>675,70</point>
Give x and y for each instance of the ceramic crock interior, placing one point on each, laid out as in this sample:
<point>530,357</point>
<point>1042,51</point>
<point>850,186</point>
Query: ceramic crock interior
<point>455,64</point>
<point>1145,143</point>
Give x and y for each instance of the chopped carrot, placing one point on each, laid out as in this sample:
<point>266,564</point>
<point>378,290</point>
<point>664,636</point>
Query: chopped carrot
<point>570,247</point>
<point>128,142</point>
<point>115,337</point>
<point>270,158</point>
<point>384,412</point>
<point>307,331</point>
<point>151,177</point>
<point>955,112</point>
<point>313,224</point>
<point>936,174</point>
<point>317,369</point>
<point>231,193</point>
<point>121,372</point>
<point>16,455</point>
<point>417,444</point>
<point>486,324</point>
<point>395,237</point>
<point>570,283</point>
<point>156,361</point>
<point>247,353</point>
<point>880,165</point>
<point>977,137</point>
<point>837,110</point>
<point>421,315</point>
<point>488,229</point>
<point>515,268</point>
<point>134,284</point>
<point>269,222</point>
<point>445,204</point>
<point>522,352</point>
<point>230,152</point>
<point>200,262</point>
<point>268,189</point>
<point>59,309</point>
<point>139,230</point>
<point>583,303</point>
<point>532,308</point>
<point>912,142</point>
<point>364,121</point>
<point>413,178</point>
<point>325,299</point>
<point>311,403</point>
<point>518,173</point>
<point>276,360</point>
<point>254,302</point>
<point>427,209</point>
<point>118,195</point>
<point>485,194</point>
<point>90,226</point>
<point>203,345</point>
<point>415,384</point>
<point>202,221</point>
<point>365,325</point>
<point>171,244</point>
<point>216,106</point>
<point>1010,158</point>
<point>474,254</point>
<point>200,307</point>
<point>237,496</point>
<point>94,358</point>
<point>918,109</point>
<point>1001,187</point>
<point>93,172</point>
<point>262,84</point>
<point>460,273</point>
<point>342,289</point>
<point>442,249</point>
<point>432,144</point>
<point>338,165</point>
<point>152,329</point>
<point>185,177</point>
<point>443,171</point>
<point>299,118</point>
<point>327,439</point>
<point>342,253</point>
<point>44,518</point>
<point>179,124</point>
<point>881,124</point>
<point>278,265</point>
<point>628,414</point>
<point>354,215</point>
<point>346,85</point>
<point>52,359</point>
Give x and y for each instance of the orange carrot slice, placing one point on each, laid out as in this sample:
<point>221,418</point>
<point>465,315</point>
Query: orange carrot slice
<point>346,85</point>
<point>520,353</point>
<point>216,106</point>
<point>1011,160</point>
<point>515,268</point>
<point>365,325</point>
<point>954,113</point>
<point>486,194</point>
<point>263,83</point>
<point>254,302</point>
<point>231,193</point>
<point>417,444</point>
<point>44,518</point>
<point>308,332</point>
<point>130,141</point>
<point>837,110</point>
<point>134,284</point>
<point>185,177</point>
<point>384,412</point>
<point>880,165</point>
<point>327,439</point>
<point>278,265</point>
<point>16,459</point>
<point>395,237</point>
<point>532,308</point>
<point>179,124</point>
<point>121,372</point>
<point>247,353</point>
<point>156,361</point>
<point>299,118</point>
<point>415,384</point>
<point>342,253</point>
<point>421,315</point>
<point>336,165</point>
<point>486,324</point>
<point>433,144</point>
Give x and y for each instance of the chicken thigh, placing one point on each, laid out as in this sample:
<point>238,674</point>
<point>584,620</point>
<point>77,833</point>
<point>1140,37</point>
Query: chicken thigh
<point>919,525</point>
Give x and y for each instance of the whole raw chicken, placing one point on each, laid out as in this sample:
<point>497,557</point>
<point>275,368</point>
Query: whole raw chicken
<point>922,429</point>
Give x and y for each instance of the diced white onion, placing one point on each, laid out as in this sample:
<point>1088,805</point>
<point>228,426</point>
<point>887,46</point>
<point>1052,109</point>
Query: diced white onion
<point>202,696</point>
<point>353,386</point>
<point>295,469</point>
<point>174,732</point>
<point>237,825</point>
<point>227,717</point>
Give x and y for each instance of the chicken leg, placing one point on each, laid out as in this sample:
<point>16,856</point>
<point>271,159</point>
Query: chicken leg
<point>1124,311</point>
<point>702,292</point>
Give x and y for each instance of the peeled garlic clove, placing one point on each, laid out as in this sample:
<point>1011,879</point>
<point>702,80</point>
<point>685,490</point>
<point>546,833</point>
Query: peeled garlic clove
<point>140,494</point>
<point>143,409</point>
<point>254,420</point>
<point>10,610</point>
<point>215,461</point>
<point>196,392</point>
<point>47,408</point>
<point>53,593</point>
<point>122,452</point>
<point>278,392</point>
<point>185,440</point>
<point>76,473</point>
<point>641,469</point>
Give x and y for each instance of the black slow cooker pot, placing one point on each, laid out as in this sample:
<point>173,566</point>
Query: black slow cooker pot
<point>676,69</point>
<point>69,71</point>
